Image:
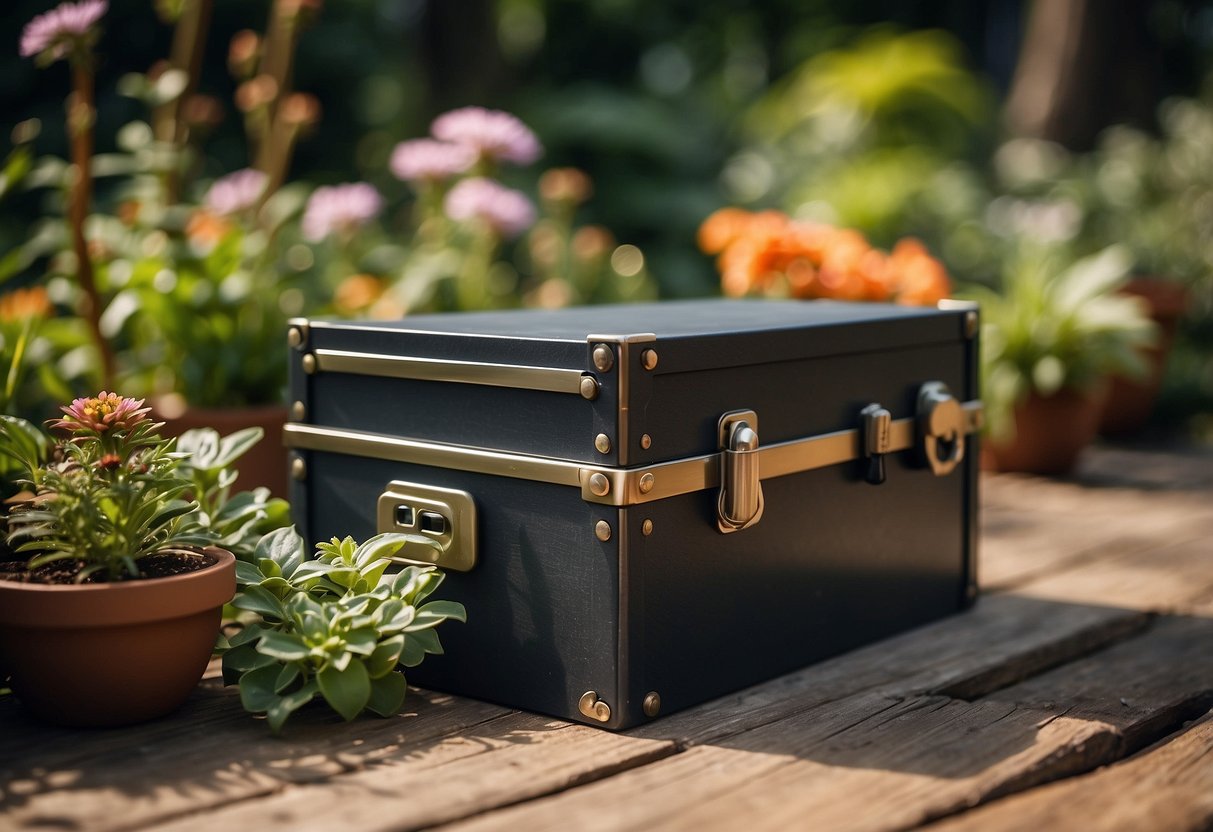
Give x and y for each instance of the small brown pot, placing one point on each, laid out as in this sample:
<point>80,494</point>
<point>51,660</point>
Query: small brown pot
<point>265,464</point>
<point>1050,433</point>
<point>1131,401</point>
<point>112,653</point>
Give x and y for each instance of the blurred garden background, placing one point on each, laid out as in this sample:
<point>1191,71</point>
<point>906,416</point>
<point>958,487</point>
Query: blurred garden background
<point>1044,153</point>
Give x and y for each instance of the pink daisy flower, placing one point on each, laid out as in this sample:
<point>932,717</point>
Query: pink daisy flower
<point>236,192</point>
<point>506,211</point>
<point>102,413</point>
<point>340,208</point>
<point>54,33</point>
<point>426,160</point>
<point>492,133</point>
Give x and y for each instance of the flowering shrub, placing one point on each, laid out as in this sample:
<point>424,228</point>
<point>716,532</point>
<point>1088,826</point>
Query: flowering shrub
<point>771,254</point>
<point>114,499</point>
<point>339,627</point>
<point>465,220</point>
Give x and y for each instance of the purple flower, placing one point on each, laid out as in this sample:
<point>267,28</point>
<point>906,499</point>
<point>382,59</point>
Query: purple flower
<point>236,192</point>
<point>506,211</point>
<point>340,208</point>
<point>492,133</point>
<point>423,160</point>
<point>55,32</point>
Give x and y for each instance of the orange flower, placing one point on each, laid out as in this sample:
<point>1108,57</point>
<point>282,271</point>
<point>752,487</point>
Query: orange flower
<point>919,279</point>
<point>20,304</point>
<point>205,229</point>
<point>769,253</point>
<point>357,292</point>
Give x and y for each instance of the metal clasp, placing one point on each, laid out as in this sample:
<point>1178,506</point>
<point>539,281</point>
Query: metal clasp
<point>740,503</point>
<point>942,425</point>
<point>875,425</point>
<point>441,522</point>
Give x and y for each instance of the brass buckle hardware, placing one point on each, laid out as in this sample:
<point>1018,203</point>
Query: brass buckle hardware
<point>593,707</point>
<point>442,522</point>
<point>942,425</point>
<point>740,503</point>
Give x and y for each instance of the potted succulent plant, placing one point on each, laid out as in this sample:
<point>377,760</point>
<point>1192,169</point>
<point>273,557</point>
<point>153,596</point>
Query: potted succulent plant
<point>339,627</point>
<point>1050,341</point>
<point>114,617</point>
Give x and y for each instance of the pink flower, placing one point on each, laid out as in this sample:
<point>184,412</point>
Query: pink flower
<point>57,31</point>
<point>340,208</point>
<point>491,133</point>
<point>105,412</point>
<point>423,160</point>
<point>236,192</point>
<point>506,211</point>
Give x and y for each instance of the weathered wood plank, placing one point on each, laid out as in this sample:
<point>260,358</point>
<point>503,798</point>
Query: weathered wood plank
<point>1169,787</point>
<point>471,774</point>
<point>1031,526</point>
<point>860,764</point>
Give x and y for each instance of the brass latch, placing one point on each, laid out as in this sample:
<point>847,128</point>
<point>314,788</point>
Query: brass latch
<point>740,503</point>
<point>440,521</point>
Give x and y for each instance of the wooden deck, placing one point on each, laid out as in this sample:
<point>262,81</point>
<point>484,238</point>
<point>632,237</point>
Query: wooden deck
<point>1076,695</point>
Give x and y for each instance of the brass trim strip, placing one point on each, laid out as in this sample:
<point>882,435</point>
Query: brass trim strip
<point>434,454</point>
<point>553,379</point>
<point>662,481</point>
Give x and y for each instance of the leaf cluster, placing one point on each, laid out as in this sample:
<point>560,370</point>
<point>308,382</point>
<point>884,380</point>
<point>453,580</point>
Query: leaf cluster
<point>239,521</point>
<point>340,626</point>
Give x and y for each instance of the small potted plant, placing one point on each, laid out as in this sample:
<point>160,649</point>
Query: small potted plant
<point>114,618</point>
<point>1050,341</point>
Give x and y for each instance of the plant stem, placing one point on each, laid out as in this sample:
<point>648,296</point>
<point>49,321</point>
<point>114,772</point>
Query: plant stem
<point>189,40</point>
<point>80,123</point>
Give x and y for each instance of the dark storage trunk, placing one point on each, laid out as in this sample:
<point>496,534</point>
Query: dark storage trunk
<point>578,457</point>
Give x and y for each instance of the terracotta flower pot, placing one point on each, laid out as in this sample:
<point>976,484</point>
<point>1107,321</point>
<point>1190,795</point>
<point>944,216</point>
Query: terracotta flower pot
<point>1050,433</point>
<point>1131,401</point>
<point>265,464</point>
<point>112,653</point>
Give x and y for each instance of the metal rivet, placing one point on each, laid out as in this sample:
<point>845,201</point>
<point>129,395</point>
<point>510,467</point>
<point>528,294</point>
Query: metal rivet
<point>602,443</point>
<point>599,485</point>
<point>602,530</point>
<point>294,337</point>
<point>647,482</point>
<point>646,527</point>
<point>604,358</point>
<point>970,323</point>
<point>646,441</point>
<point>648,359</point>
<point>298,411</point>
<point>309,364</point>
<point>299,469</point>
<point>589,388</point>
<point>652,703</point>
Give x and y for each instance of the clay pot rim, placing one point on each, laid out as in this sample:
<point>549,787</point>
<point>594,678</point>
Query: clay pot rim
<point>30,605</point>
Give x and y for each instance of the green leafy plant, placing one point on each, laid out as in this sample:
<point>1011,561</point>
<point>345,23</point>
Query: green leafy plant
<point>340,626</point>
<point>1058,323</point>
<point>238,520</point>
<point>113,496</point>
